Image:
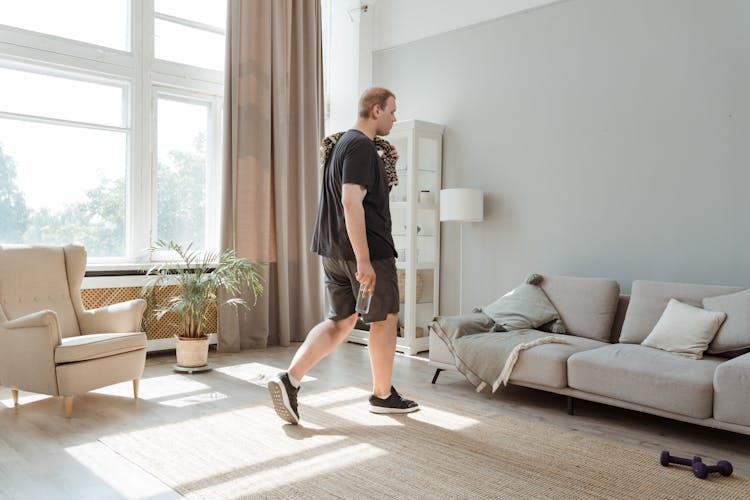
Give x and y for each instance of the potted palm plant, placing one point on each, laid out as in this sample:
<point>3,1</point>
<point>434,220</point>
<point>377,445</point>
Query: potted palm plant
<point>197,276</point>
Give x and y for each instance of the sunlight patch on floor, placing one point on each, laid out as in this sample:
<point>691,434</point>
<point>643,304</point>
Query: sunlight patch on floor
<point>186,452</point>
<point>159,387</point>
<point>24,398</point>
<point>194,399</point>
<point>351,403</point>
<point>123,389</point>
<point>441,418</point>
<point>255,373</point>
<point>359,413</point>
<point>296,470</point>
<point>335,397</point>
<point>119,474</point>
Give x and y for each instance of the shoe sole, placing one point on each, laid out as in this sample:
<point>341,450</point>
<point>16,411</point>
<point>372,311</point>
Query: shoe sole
<point>281,402</point>
<point>383,410</point>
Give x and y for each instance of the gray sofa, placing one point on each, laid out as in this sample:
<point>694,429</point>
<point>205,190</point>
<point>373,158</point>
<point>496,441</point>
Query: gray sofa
<point>605,362</point>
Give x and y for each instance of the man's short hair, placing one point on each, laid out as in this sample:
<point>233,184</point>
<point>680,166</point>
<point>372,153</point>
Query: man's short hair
<point>371,97</point>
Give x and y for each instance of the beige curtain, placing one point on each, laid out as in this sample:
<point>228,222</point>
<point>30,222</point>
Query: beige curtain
<point>273,124</point>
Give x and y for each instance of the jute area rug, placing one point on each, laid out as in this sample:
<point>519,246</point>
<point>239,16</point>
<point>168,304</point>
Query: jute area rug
<point>443,451</point>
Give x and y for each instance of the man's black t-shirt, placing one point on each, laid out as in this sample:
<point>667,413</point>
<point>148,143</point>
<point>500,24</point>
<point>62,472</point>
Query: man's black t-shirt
<point>354,160</point>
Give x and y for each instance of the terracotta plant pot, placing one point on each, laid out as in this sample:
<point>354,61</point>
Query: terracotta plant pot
<point>192,352</point>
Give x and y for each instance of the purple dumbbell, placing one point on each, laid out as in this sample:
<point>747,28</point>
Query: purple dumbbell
<point>702,470</point>
<point>665,459</point>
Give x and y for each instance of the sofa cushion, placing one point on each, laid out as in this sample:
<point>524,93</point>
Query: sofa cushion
<point>526,306</point>
<point>648,299</point>
<point>98,345</point>
<point>647,376</point>
<point>622,307</point>
<point>547,364</point>
<point>684,329</point>
<point>731,394</point>
<point>734,334</point>
<point>587,306</point>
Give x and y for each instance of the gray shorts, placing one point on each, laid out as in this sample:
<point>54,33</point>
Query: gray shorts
<point>342,287</point>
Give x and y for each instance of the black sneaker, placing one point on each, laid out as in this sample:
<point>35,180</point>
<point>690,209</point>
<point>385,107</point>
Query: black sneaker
<point>392,404</point>
<point>284,397</point>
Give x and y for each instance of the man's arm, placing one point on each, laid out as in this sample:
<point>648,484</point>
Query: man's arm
<point>352,196</point>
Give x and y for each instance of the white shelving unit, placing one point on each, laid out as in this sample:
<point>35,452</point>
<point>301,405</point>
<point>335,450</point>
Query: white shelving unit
<point>415,216</point>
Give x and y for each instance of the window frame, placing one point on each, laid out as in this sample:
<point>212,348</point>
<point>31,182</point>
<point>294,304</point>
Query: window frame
<point>213,155</point>
<point>146,77</point>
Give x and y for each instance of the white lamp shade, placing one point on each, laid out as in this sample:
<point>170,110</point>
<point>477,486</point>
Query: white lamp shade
<point>461,205</point>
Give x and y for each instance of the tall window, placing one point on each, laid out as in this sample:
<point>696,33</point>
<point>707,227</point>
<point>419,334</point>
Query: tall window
<point>110,116</point>
<point>183,181</point>
<point>63,155</point>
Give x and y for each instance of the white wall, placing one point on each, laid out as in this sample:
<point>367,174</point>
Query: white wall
<point>401,21</point>
<point>610,139</point>
<point>356,34</point>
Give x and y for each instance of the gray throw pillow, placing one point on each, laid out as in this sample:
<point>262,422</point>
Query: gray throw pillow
<point>734,334</point>
<point>456,327</point>
<point>526,306</point>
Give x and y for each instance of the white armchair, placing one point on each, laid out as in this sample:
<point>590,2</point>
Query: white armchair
<point>49,343</point>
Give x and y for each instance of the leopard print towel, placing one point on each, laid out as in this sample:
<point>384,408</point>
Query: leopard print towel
<point>385,150</point>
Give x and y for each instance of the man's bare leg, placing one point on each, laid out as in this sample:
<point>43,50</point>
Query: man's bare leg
<point>382,352</point>
<point>320,342</point>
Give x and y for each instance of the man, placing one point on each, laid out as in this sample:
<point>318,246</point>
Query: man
<point>353,235</point>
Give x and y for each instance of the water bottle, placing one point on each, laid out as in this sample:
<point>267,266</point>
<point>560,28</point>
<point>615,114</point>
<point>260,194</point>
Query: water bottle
<point>363,300</point>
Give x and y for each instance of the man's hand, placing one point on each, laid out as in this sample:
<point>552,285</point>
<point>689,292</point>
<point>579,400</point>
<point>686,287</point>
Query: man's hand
<point>366,276</point>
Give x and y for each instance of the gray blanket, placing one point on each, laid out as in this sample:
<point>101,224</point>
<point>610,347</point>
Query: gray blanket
<point>488,358</point>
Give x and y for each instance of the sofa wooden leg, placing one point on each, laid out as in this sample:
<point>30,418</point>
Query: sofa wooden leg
<point>136,382</point>
<point>437,372</point>
<point>68,404</point>
<point>14,392</point>
<point>570,401</point>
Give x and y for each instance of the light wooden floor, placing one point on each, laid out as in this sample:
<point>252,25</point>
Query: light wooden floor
<point>45,456</point>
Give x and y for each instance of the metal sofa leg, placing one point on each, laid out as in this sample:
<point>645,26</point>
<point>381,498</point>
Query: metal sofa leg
<point>437,372</point>
<point>570,401</point>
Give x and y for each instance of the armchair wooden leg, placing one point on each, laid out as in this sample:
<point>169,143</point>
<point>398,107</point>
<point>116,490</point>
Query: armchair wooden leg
<point>14,392</point>
<point>68,404</point>
<point>136,382</point>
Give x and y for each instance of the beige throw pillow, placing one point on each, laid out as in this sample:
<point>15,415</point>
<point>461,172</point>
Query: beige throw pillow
<point>684,329</point>
<point>734,334</point>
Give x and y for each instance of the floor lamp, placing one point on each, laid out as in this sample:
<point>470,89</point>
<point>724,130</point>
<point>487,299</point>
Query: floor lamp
<point>461,205</point>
